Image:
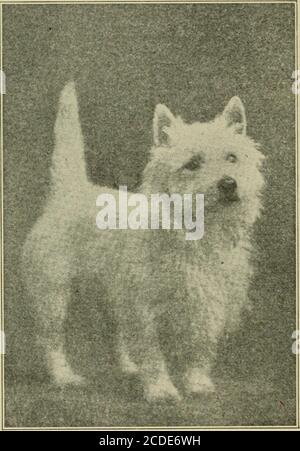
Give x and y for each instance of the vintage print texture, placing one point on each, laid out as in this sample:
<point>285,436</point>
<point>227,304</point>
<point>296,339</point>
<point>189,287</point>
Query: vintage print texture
<point>149,214</point>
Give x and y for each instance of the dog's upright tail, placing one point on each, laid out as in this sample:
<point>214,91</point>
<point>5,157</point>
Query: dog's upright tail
<point>68,162</point>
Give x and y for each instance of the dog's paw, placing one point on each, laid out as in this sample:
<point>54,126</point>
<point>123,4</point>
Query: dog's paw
<point>67,377</point>
<point>61,372</point>
<point>161,389</point>
<point>70,379</point>
<point>198,381</point>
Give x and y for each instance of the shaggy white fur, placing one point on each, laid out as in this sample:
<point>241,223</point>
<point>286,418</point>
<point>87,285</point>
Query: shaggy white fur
<point>199,286</point>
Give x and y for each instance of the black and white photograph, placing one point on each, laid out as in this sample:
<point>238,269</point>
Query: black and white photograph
<point>149,221</point>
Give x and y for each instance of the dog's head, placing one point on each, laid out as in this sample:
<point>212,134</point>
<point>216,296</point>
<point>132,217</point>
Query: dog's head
<point>216,159</point>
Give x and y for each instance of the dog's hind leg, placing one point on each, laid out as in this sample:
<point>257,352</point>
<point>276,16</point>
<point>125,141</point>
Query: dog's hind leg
<point>51,313</point>
<point>53,337</point>
<point>48,281</point>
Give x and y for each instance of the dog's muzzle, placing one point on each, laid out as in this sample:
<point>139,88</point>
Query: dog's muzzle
<point>227,187</point>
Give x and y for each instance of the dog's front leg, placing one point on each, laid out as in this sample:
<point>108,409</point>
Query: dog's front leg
<point>205,327</point>
<point>147,354</point>
<point>197,378</point>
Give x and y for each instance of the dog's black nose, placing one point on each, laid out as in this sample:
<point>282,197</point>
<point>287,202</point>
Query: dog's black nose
<point>227,185</point>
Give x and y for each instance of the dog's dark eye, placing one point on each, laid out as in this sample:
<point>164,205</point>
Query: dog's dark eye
<point>194,163</point>
<point>231,158</point>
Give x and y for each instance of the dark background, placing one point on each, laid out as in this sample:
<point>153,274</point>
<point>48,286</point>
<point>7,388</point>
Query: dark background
<point>125,59</point>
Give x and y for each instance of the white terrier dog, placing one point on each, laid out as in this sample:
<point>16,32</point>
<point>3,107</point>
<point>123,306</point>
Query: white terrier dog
<point>200,285</point>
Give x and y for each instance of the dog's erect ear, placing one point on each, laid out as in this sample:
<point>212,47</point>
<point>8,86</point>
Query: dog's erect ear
<point>163,122</point>
<point>234,115</point>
